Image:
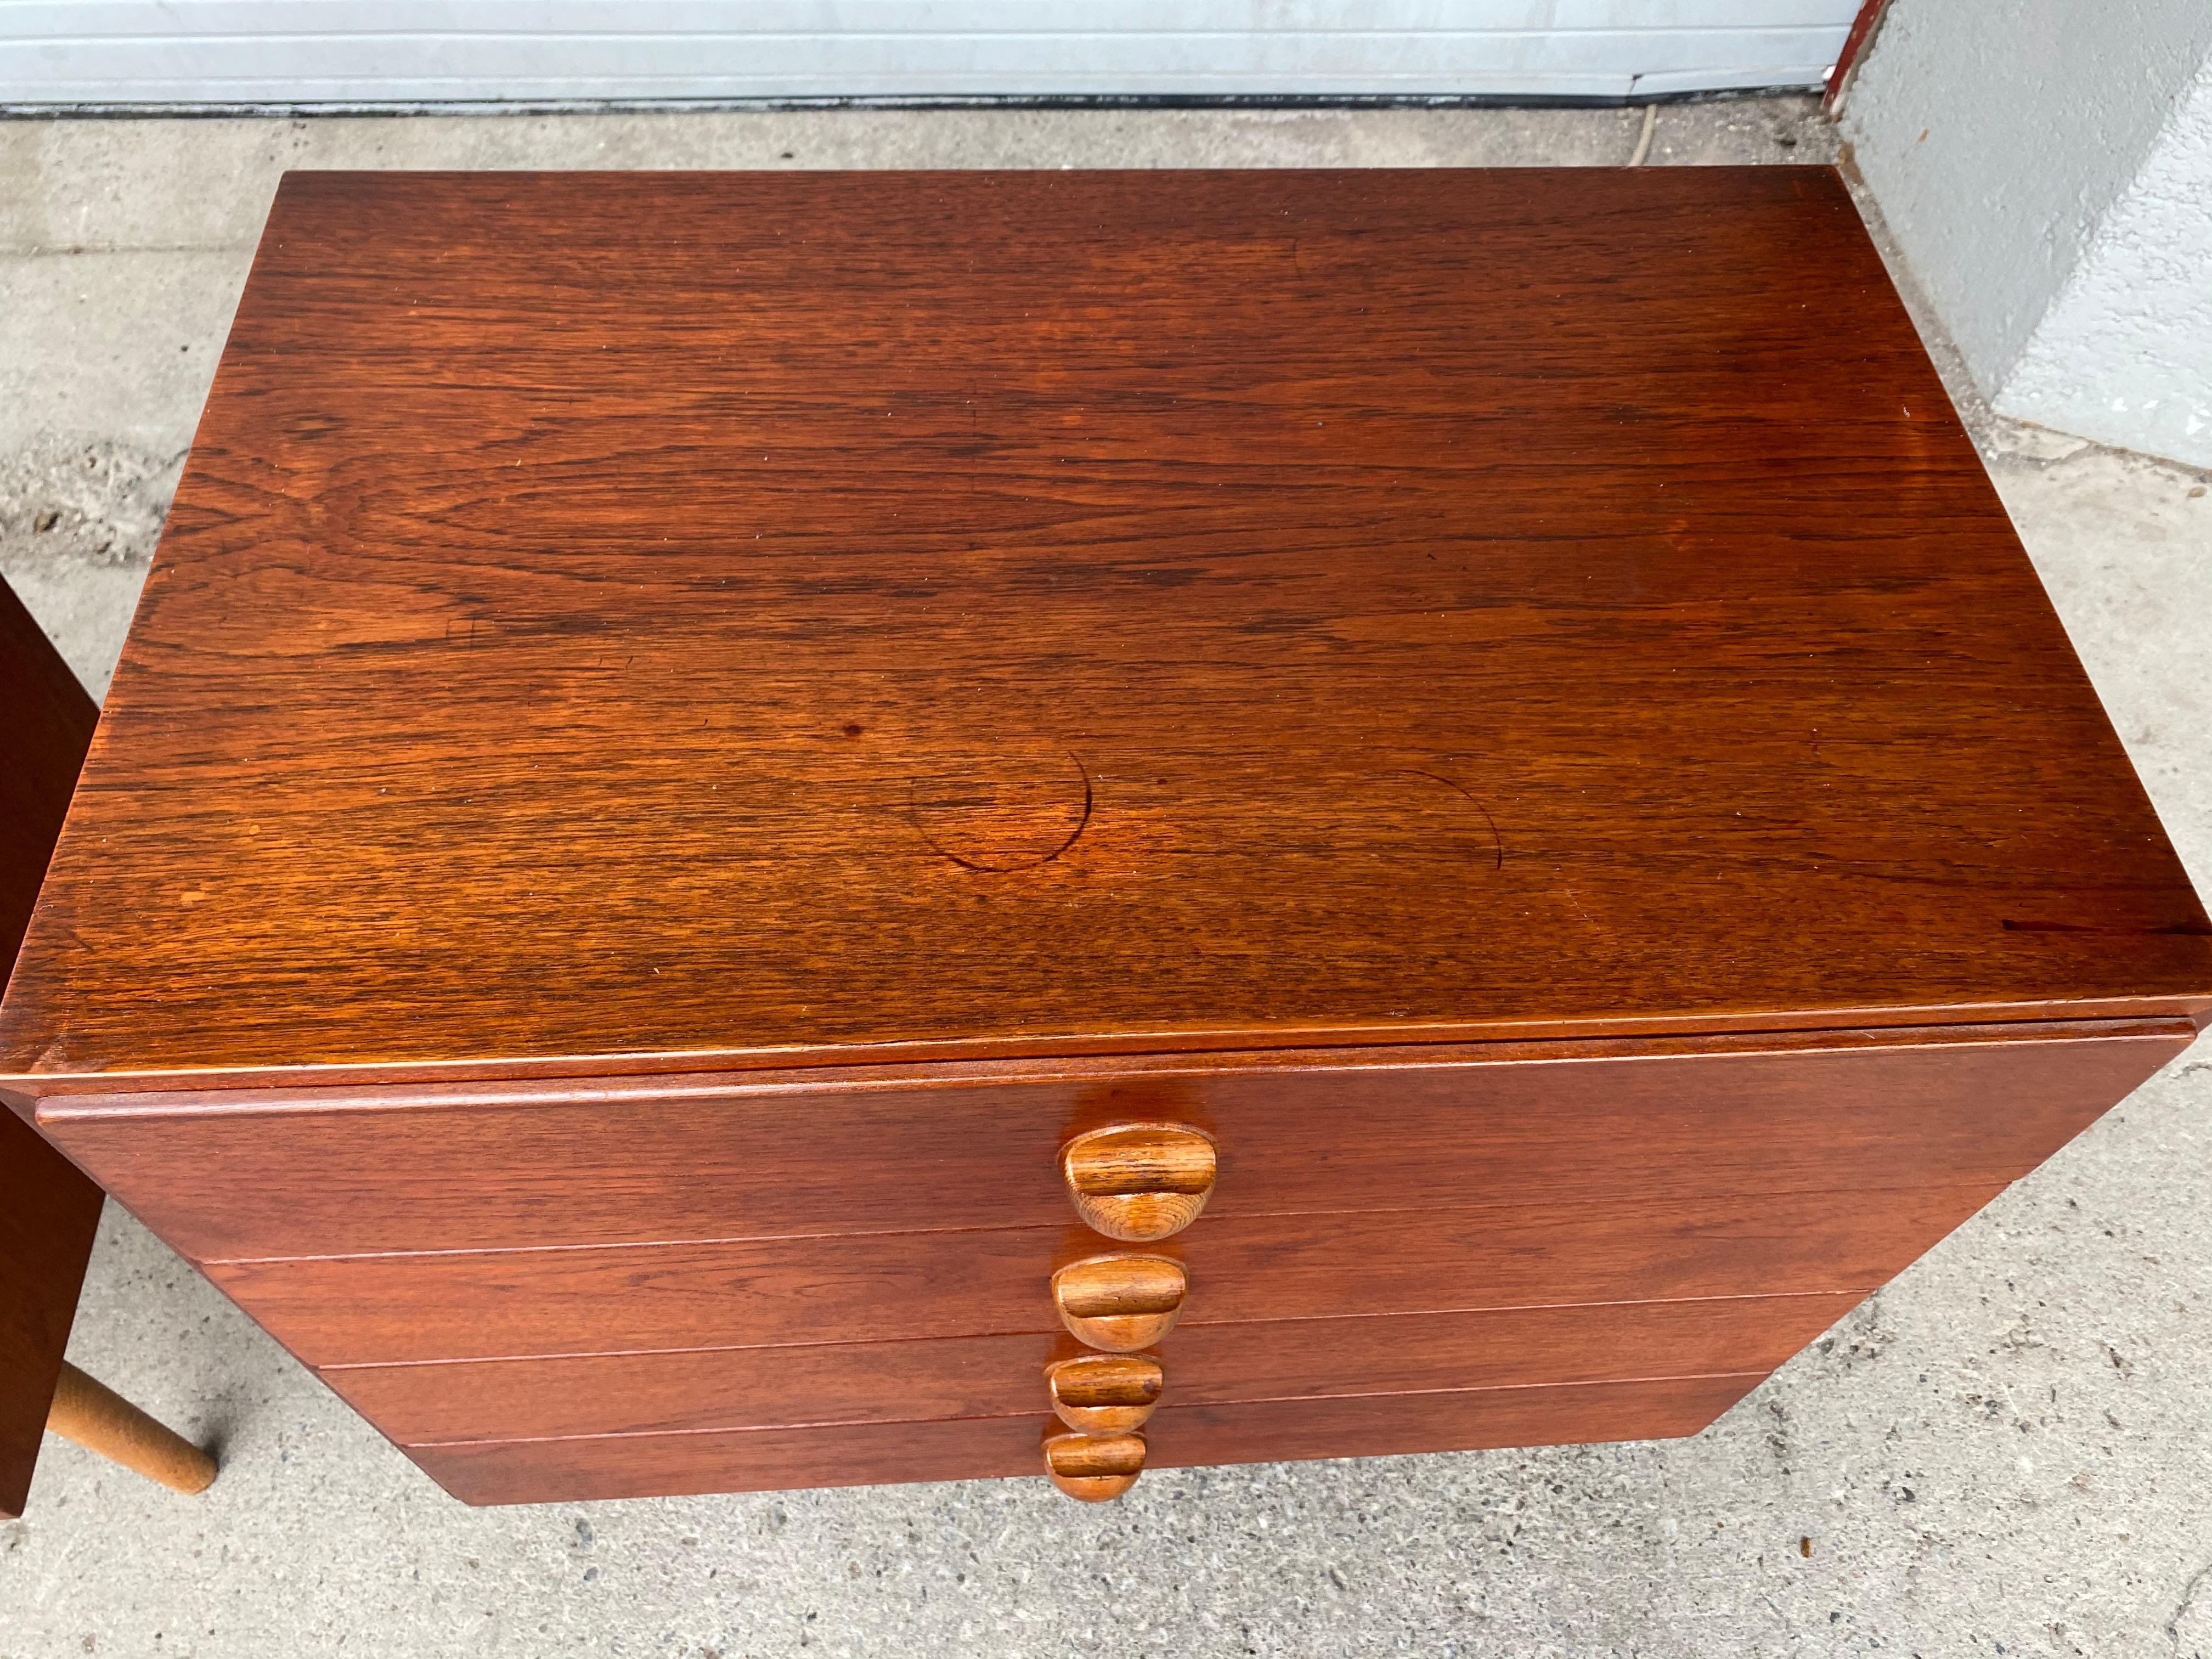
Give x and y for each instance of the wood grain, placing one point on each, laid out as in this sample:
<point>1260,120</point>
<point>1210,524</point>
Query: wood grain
<point>1093,1468</point>
<point>759,1460</point>
<point>649,614</point>
<point>102,1421</point>
<point>1137,1181</point>
<point>1121,1302</point>
<point>1105,1393</point>
<point>289,1173</point>
<point>48,721</point>
<point>49,1213</point>
<point>826,1383</point>
<point>886,1287</point>
<point>48,1210</point>
<point>687,731</point>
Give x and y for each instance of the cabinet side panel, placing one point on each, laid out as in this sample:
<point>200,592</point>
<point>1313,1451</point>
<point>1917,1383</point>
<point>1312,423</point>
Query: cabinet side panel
<point>48,723</point>
<point>48,1211</point>
<point>48,1215</point>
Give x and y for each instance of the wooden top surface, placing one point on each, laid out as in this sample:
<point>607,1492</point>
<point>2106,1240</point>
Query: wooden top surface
<point>822,616</point>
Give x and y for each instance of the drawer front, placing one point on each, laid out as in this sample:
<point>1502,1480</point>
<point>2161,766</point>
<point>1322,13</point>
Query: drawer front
<point>873,1453</point>
<point>891,1287</point>
<point>828,1383</point>
<point>341,1173</point>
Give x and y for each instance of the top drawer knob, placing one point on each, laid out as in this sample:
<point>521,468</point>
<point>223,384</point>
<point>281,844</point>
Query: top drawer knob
<point>1139,1181</point>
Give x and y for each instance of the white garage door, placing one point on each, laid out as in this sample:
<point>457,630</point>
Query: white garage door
<point>293,51</point>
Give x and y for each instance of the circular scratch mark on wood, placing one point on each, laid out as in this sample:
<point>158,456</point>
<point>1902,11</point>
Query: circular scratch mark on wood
<point>1467,800</point>
<point>1012,809</point>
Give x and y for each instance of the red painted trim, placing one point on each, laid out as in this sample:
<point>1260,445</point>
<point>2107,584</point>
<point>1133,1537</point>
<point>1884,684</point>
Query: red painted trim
<point>1855,46</point>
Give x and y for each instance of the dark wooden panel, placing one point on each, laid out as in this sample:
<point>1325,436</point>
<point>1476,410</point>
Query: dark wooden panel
<point>45,721</point>
<point>885,1286</point>
<point>760,615</point>
<point>874,1454</point>
<point>48,1211</point>
<point>1003,1376</point>
<point>48,1214</point>
<point>863,1149</point>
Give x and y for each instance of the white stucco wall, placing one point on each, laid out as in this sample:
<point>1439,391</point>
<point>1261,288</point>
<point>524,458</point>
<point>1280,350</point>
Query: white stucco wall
<point>2046,169</point>
<point>2124,353</point>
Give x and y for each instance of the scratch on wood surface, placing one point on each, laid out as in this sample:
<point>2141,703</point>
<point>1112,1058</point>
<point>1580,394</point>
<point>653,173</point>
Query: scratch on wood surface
<point>986,867</point>
<point>1497,840</point>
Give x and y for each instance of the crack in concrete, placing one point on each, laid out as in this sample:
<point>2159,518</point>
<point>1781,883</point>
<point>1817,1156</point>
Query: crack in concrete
<point>2188,1595</point>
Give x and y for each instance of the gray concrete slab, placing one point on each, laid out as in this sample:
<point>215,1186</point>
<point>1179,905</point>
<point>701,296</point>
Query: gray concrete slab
<point>204,184</point>
<point>2006,1452</point>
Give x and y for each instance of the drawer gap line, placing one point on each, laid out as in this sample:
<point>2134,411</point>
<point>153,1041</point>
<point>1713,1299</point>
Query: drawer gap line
<point>1042,1417</point>
<point>1989,1187</point>
<point>1042,1331</point>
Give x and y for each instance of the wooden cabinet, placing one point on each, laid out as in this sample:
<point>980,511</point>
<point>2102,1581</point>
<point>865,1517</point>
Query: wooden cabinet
<point>745,811</point>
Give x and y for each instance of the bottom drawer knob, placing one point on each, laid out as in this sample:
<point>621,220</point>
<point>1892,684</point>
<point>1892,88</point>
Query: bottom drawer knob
<point>1105,1393</point>
<point>1094,1467</point>
<point>1120,1302</point>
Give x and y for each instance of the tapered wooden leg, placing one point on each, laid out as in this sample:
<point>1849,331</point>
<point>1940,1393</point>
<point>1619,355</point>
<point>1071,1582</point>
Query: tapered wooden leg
<point>100,1420</point>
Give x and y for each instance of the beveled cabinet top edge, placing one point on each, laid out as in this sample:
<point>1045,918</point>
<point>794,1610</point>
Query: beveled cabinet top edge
<point>88,1095</point>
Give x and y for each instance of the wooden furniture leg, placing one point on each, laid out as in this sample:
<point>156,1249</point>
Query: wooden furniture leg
<point>101,1420</point>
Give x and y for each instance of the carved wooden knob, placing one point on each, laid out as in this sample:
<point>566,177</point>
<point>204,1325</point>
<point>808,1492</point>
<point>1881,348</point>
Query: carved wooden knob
<point>1103,1393</point>
<point>1120,1302</point>
<point>1139,1181</point>
<point>1094,1467</point>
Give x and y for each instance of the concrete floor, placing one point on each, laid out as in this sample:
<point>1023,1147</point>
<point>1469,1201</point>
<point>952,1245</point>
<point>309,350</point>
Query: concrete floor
<point>2008,1452</point>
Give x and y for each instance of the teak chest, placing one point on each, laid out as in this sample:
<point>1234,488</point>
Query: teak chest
<point>734,796</point>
